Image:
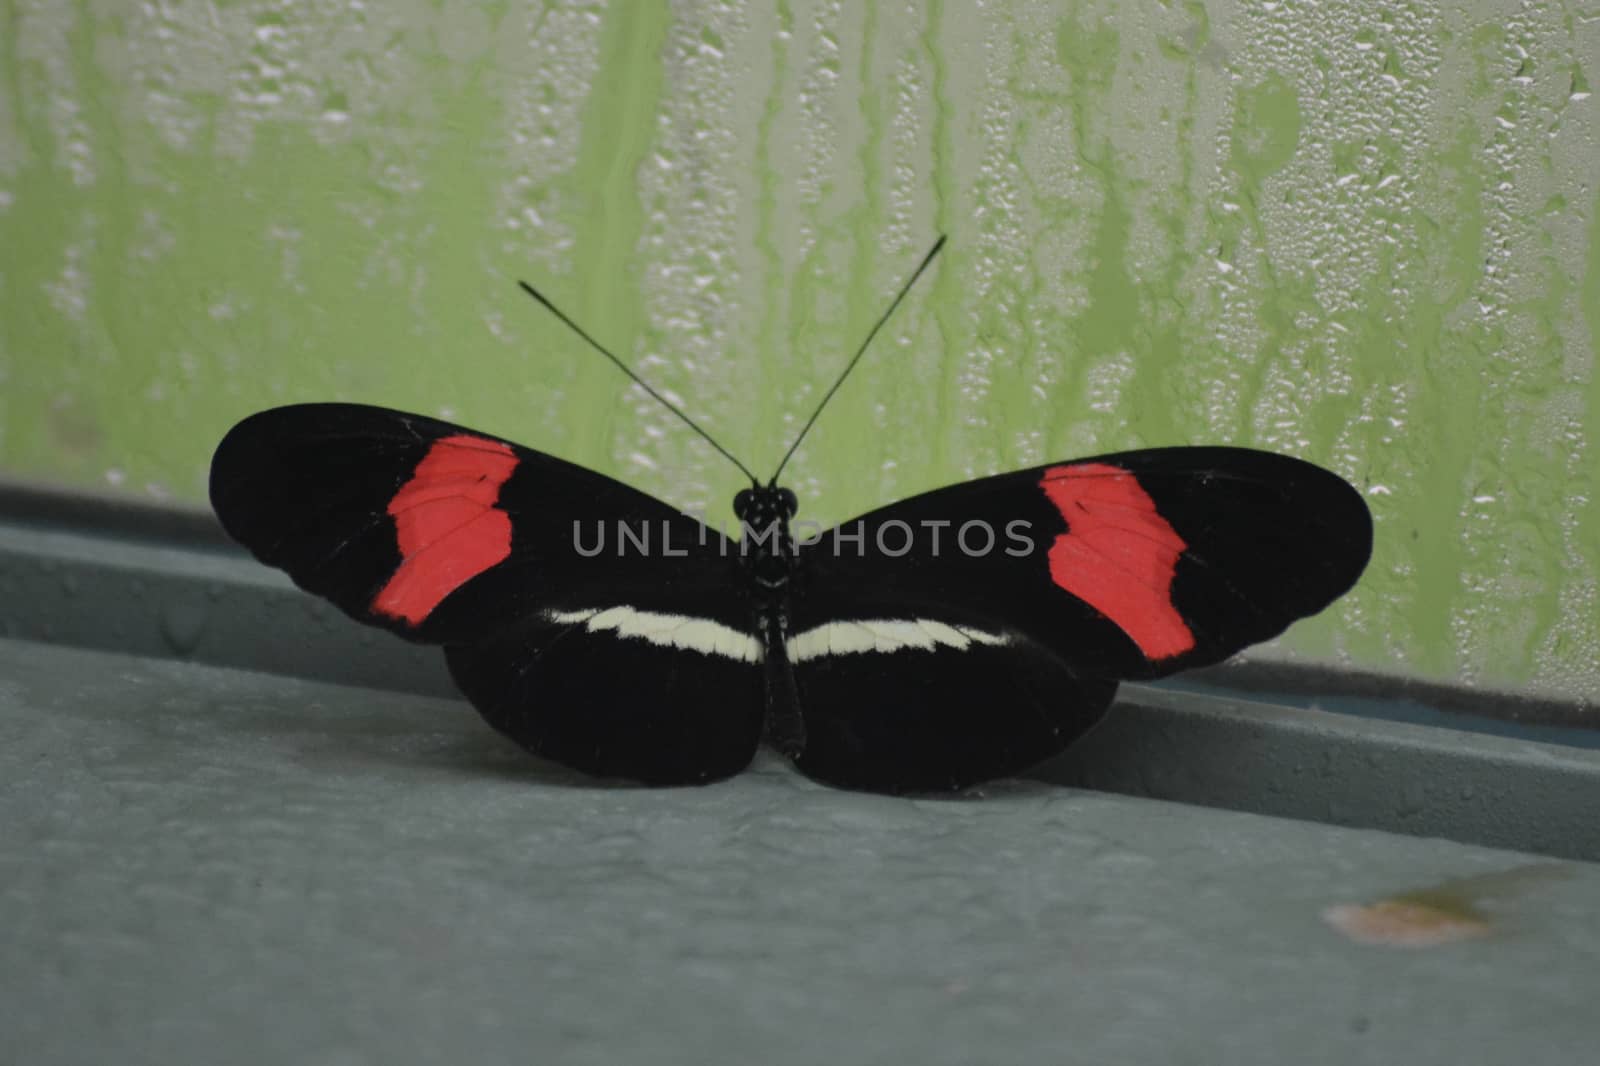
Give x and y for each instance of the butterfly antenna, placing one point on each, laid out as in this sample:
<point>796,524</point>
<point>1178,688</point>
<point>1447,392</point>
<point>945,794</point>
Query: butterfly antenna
<point>637,380</point>
<point>901,295</point>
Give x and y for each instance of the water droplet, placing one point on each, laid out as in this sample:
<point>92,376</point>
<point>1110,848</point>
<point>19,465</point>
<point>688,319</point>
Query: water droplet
<point>183,624</point>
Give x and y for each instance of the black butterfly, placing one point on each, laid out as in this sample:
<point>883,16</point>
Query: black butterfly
<point>954,637</point>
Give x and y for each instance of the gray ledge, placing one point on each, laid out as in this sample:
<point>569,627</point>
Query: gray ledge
<point>181,593</point>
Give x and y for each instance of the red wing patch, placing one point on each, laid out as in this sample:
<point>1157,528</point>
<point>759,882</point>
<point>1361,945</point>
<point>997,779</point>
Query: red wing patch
<point>1118,554</point>
<point>448,528</point>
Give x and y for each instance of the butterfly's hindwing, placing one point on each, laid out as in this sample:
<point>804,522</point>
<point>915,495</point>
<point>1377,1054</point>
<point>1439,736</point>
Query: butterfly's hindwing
<point>618,692</point>
<point>931,702</point>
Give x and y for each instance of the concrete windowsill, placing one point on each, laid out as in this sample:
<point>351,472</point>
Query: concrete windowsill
<point>226,840</point>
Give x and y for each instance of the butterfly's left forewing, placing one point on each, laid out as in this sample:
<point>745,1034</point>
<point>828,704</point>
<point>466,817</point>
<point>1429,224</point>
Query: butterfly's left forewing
<point>558,593</point>
<point>1024,598</point>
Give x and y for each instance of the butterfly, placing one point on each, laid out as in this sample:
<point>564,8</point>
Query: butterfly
<point>955,637</point>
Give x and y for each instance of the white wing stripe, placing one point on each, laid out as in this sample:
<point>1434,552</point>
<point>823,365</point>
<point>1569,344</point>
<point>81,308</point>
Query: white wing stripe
<point>884,635</point>
<point>667,630</point>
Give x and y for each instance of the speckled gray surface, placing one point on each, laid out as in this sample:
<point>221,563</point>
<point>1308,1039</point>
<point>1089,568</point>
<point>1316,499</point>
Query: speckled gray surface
<point>204,865</point>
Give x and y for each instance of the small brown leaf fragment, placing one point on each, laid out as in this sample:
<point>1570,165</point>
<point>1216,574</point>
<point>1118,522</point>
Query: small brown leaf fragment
<point>1405,923</point>
<point>1443,914</point>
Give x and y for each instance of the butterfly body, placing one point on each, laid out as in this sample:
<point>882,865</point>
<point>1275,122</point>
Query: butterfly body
<point>768,564</point>
<point>957,636</point>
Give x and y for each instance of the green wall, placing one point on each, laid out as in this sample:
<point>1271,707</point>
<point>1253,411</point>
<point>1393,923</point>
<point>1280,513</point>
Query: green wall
<point>1364,233</point>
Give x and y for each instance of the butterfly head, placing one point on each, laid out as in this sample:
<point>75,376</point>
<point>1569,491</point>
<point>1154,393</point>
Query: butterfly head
<point>764,505</point>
